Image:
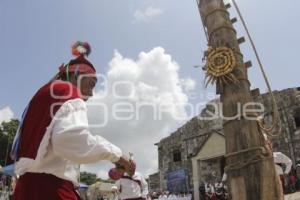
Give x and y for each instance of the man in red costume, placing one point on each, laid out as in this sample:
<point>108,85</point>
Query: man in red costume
<point>54,137</point>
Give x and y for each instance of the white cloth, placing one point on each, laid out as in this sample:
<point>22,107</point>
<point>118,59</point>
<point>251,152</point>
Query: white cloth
<point>218,188</point>
<point>68,143</point>
<point>188,197</point>
<point>280,158</point>
<point>209,188</point>
<point>131,188</point>
<point>224,177</point>
<point>172,197</point>
<point>162,197</point>
<point>113,196</point>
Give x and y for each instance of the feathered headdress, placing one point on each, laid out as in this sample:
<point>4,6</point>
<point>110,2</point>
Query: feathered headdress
<point>81,49</point>
<point>80,64</point>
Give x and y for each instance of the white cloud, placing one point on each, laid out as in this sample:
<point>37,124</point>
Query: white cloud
<point>188,84</point>
<point>152,81</point>
<point>101,172</point>
<point>147,14</point>
<point>6,114</point>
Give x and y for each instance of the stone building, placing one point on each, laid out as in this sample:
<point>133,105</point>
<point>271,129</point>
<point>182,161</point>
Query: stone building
<point>195,152</point>
<point>154,182</point>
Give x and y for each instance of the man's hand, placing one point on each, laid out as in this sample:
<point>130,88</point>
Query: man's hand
<point>126,164</point>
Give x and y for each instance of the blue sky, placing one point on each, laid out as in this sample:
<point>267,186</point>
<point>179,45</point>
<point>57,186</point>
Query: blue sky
<point>36,36</point>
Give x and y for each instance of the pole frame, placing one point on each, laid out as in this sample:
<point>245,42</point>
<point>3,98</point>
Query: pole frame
<point>253,180</point>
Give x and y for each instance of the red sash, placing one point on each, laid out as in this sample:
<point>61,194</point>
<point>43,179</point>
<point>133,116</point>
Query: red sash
<point>39,115</point>
<point>40,186</point>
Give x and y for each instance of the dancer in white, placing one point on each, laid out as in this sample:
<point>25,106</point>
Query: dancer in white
<point>132,188</point>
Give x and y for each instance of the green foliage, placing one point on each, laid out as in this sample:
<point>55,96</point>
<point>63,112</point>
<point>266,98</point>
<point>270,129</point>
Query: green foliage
<point>105,181</point>
<point>88,178</point>
<point>7,134</point>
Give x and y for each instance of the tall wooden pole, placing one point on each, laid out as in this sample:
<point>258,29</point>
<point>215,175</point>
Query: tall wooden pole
<point>250,168</point>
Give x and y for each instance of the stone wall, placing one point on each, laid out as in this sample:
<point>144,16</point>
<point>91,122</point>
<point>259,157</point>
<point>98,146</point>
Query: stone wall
<point>288,139</point>
<point>188,139</point>
<point>154,182</point>
<point>210,170</point>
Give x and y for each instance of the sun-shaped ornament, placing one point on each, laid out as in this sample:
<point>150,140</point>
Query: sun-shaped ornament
<point>220,63</point>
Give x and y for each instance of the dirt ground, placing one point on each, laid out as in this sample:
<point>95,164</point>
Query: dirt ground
<point>294,196</point>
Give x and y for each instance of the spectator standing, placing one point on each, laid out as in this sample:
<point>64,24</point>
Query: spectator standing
<point>132,188</point>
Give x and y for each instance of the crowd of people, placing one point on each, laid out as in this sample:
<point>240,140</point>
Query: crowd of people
<point>213,191</point>
<point>166,195</point>
<point>291,181</point>
<point>7,185</point>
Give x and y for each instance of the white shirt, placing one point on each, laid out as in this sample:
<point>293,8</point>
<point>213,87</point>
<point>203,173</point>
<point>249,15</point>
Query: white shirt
<point>218,188</point>
<point>162,197</point>
<point>188,196</point>
<point>133,188</point>
<point>209,188</point>
<point>67,143</point>
<point>280,158</point>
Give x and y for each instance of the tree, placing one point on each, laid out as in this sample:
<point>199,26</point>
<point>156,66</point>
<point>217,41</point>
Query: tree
<point>88,178</point>
<point>7,134</point>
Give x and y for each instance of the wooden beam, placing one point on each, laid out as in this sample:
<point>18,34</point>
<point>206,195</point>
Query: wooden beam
<point>241,40</point>
<point>248,64</point>
<point>247,180</point>
<point>233,20</point>
<point>228,5</point>
<point>255,92</point>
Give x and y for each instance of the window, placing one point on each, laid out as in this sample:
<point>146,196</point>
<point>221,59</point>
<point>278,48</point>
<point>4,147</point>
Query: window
<point>297,121</point>
<point>297,118</point>
<point>176,156</point>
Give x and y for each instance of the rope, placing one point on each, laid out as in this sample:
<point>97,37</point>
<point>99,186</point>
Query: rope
<point>263,155</point>
<point>221,27</point>
<point>206,35</point>
<point>260,122</point>
<point>213,11</point>
<point>276,118</point>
